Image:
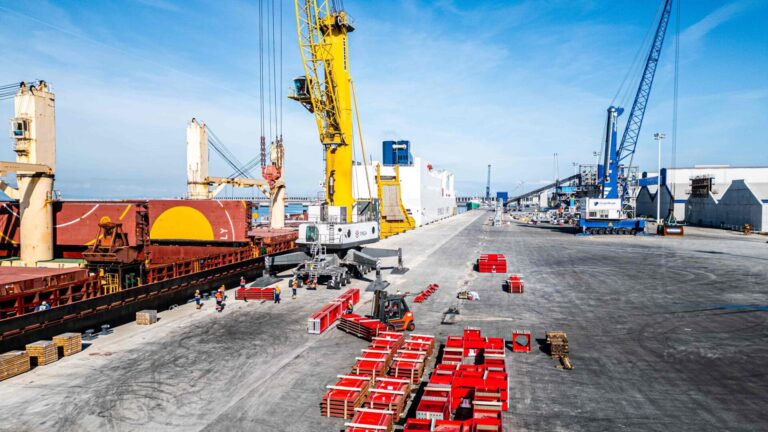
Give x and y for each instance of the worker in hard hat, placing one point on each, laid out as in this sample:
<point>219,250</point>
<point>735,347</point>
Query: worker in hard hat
<point>43,306</point>
<point>223,292</point>
<point>277,294</point>
<point>198,300</point>
<point>242,282</point>
<point>219,301</point>
<point>294,283</point>
<point>350,307</point>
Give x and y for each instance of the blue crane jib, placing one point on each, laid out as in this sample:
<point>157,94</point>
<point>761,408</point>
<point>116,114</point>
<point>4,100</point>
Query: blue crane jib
<point>607,213</point>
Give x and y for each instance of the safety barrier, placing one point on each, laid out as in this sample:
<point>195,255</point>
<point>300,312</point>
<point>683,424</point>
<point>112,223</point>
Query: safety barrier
<point>424,294</point>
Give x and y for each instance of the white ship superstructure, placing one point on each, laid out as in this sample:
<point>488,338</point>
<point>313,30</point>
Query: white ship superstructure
<point>427,193</point>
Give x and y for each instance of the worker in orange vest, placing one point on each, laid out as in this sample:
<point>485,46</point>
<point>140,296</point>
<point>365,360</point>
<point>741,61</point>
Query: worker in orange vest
<point>223,292</point>
<point>350,307</point>
<point>219,301</point>
<point>294,286</point>
<point>277,294</point>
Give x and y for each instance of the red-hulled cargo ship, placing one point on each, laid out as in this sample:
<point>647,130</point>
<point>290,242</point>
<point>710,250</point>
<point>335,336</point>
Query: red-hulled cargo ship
<point>142,254</point>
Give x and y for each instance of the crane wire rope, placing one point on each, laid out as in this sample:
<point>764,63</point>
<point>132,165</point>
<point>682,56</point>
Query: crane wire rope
<point>362,145</point>
<point>675,92</point>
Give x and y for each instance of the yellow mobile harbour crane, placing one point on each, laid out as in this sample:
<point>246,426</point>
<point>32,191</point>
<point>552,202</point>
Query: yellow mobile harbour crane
<point>327,91</point>
<point>341,224</point>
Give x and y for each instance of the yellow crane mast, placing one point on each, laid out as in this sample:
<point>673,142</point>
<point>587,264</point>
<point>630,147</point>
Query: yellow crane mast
<point>325,91</point>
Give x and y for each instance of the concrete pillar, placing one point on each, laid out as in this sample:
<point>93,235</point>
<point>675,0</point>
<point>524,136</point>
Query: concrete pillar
<point>35,105</point>
<point>197,161</point>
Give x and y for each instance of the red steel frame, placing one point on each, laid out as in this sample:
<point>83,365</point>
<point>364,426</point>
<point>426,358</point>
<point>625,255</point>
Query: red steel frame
<point>319,321</point>
<point>521,347</point>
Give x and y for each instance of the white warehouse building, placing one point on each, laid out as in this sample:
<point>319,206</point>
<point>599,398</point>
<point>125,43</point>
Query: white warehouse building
<point>716,196</point>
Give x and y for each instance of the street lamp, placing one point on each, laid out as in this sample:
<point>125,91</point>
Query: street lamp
<point>557,170</point>
<point>658,136</point>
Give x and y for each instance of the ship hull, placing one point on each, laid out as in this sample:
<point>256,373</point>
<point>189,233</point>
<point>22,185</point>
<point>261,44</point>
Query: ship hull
<point>120,307</point>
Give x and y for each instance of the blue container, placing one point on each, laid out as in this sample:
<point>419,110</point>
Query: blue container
<point>388,153</point>
<point>397,153</point>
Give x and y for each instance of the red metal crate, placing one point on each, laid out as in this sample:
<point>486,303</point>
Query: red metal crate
<point>372,362</point>
<point>390,394</point>
<point>408,365</point>
<point>486,425</point>
<point>452,426</point>
<point>371,420</point>
<point>417,425</point>
<point>341,399</point>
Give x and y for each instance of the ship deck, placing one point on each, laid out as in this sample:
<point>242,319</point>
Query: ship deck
<point>665,334</point>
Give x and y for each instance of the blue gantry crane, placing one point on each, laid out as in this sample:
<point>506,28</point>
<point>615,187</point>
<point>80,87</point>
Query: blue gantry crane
<point>610,211</point>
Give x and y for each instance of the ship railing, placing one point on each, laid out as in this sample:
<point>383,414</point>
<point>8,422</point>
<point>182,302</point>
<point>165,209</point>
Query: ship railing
<point>24,302</point>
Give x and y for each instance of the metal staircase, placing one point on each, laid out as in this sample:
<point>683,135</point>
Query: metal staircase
<point>317,250</point>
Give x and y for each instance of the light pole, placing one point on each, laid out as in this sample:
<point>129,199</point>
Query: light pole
<point>658,136</point>
<point>557,170</point>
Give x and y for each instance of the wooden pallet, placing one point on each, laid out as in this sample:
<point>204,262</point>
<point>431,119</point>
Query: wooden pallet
<point>558,344</point>
<point>69,343</point>
<point>43,352</point>
<point>146,317</point>
<point>13,363</point>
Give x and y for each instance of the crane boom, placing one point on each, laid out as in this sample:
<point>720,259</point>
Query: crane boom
<point>325,92</point>
<point>612,211</point>
<point>635,119</point>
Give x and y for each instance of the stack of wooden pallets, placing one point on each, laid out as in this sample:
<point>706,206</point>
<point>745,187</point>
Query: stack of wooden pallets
<point>69,343</point>
<point>13,363</point>
<point>558,348</point>
<point>146,317</point>
<point>341,399</point>
<point>43,352</point>
<point>558,344</point>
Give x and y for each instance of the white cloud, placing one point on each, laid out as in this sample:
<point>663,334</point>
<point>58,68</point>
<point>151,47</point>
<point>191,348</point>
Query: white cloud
<point>714,19</point>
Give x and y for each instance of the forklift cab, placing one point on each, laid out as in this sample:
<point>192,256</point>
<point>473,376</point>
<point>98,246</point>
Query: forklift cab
<point>393,311</point>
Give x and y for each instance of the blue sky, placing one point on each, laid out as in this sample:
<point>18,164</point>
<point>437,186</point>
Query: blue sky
<point>468,82</point>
